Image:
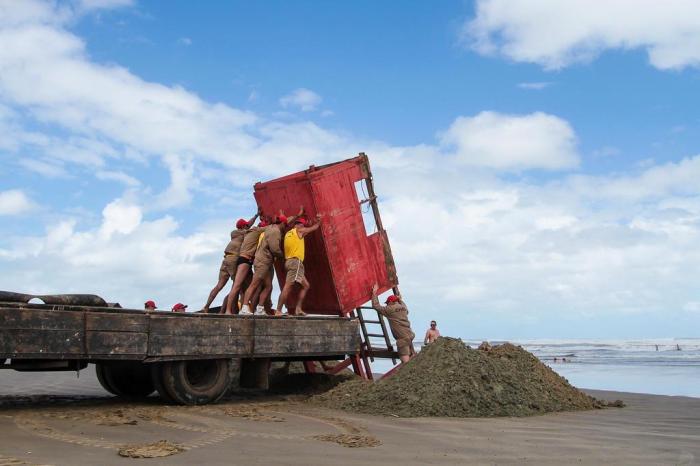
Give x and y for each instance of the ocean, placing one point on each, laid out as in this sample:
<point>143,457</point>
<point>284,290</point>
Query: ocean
<point>668,366</point>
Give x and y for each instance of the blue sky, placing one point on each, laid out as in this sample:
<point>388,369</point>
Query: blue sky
<point>537,163</point>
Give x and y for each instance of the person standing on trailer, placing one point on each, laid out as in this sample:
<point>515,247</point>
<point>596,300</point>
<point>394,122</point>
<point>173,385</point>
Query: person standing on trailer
<point>269,249</point>
<point>397,313</point>
<point>149,305</point>
<point>294,249</point>
<point>179,307</point>
<point>243,266</point>
<point>228,264</point>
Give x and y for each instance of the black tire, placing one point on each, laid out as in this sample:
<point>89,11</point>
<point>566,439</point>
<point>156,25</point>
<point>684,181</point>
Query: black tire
<point>128,379</point>
<point>157,379</point>
<point>102,378</point>
<point>197,382</point>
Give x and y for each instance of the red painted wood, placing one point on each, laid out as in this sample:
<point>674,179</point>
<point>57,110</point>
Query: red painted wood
<point>342,262</point>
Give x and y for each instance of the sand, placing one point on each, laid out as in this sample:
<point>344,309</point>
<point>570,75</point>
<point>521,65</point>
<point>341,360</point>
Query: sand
<point>89,427</point>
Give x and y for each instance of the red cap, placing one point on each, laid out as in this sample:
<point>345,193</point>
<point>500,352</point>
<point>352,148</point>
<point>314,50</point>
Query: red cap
<point>301,220</point>
<point>392,298</point>
<point>241,223</point>
<point>179,307</point>
<point>263,223</point>
<point>149,304</point>
<point>280,219</point>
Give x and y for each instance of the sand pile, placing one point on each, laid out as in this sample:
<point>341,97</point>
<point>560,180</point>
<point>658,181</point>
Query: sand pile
<point>449,379</point>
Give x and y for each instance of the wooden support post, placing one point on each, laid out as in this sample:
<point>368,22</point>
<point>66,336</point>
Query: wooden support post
<point>339,367</point>
<point>255,373</point>
<point>357,366</point>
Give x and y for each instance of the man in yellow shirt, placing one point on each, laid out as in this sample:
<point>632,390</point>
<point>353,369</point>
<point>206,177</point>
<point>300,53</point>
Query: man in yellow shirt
<point>294,263</point>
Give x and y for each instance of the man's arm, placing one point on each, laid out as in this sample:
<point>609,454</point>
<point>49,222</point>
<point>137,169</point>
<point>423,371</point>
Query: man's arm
<point>252,219</point>
<point>427,334</point>
<point>303,231</point>
<point>290,220</point>
<point>375,301</point>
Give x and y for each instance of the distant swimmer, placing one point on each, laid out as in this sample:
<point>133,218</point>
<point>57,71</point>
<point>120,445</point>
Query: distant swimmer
<point>432,334</point>
<point>657,347</point>
<point>678,347</point>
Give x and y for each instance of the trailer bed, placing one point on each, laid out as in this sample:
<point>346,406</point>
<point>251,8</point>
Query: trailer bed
<point>66,332</point>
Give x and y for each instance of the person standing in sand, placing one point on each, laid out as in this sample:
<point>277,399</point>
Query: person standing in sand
<point>432,334</point>
<point>294,249</point>
<point>228,264</point>
<point>397,313</point>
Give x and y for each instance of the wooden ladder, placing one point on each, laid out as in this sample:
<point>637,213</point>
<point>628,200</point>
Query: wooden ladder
<point>368,349</point>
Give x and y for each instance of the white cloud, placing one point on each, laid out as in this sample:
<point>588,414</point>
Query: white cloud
<point>495,140</point>
<point>15,202</point>
<point>304,99</point>
<point>44,168</point>
<point>185,41</point>
<point>118,176</point>
<point>556,34</point>
<point>534,86</point>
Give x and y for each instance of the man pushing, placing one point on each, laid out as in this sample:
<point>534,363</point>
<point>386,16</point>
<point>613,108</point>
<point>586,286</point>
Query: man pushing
<point>397,313</point>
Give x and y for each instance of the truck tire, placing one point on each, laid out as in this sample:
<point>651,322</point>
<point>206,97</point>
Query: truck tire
<point>127,379</point>
<point>102,378</point>
<point>196,382</point>
<point>157,379</point>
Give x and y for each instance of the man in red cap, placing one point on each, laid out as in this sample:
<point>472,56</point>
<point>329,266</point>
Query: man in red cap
<point>179,307</point>
<point>397,313</point>
<point>228,264</point>
<point>294,250</point>
<point>149,305</point>
<point>269,249</point>
<point>243,266</point>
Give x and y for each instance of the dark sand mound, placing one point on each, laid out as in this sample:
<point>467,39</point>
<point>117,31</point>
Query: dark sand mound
<point>449,379</point>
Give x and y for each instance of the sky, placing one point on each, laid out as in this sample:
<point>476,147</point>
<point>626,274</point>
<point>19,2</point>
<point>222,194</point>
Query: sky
<point>537,162</point>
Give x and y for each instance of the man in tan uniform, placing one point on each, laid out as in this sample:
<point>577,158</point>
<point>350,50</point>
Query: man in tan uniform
<point>397,313</point>
<point>228,264</point>
<point>243,266</point>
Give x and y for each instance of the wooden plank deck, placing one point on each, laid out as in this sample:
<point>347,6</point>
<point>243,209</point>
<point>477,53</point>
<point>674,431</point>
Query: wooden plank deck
<point>31,331</point>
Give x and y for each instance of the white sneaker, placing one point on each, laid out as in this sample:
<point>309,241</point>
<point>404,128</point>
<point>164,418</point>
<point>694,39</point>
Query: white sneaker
<point>260,311</point>
<point>245,311</point>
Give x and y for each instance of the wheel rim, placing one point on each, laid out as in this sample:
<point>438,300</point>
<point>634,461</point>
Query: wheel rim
<point>202,375</point>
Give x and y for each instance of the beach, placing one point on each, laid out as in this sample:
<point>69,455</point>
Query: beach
<point>56,418</point>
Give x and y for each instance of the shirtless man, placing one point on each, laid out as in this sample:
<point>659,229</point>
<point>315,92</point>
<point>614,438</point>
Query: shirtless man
<point>294,263</point>
<point>228,264</point>
<point>432,334</point>
<point>244,263</point>
<point>397,313</point>
<point>269,249</point>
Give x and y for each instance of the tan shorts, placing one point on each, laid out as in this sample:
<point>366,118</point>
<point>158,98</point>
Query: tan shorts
<point>262,268</point>
<point>405,346</point>
<point>228,267</point>
<point>295,270</point>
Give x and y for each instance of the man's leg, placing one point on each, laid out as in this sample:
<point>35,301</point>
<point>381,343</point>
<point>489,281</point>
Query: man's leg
<point>305,285</point>
<point>223,278</point>
<point>267,289</point>
<point>241,275</point>
<point>250,292</point>
<point>284,294</point>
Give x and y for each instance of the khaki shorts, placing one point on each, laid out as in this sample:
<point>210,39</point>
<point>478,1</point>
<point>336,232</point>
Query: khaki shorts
<point>405,346</point>
<point>295,270</point>
<point>228,267</point>
<point>262,268</point>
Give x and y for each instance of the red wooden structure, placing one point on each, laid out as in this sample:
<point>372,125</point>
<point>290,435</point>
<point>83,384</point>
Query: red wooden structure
<point>342,260</point>
<point>348,254</point>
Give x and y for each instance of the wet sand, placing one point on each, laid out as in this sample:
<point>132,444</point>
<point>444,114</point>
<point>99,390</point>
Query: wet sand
<point>54,418</point>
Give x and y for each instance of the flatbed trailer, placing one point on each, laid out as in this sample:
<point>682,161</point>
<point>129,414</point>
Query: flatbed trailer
<point>185,357</point>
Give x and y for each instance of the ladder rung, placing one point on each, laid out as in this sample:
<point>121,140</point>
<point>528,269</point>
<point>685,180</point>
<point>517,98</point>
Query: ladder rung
<point>372,322</point>
<point>378,335</point>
